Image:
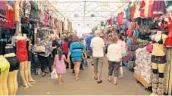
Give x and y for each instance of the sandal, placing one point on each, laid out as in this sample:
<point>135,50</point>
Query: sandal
<point>99,81</point>
<point>115,83</point>
<point>95,78</point>
<point>109,80</point>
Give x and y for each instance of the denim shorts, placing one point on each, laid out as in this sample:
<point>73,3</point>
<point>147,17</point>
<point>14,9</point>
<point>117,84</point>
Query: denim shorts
<point>76,60</point>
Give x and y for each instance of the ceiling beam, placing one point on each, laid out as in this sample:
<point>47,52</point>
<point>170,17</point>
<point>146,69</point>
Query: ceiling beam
<point>114,1</point>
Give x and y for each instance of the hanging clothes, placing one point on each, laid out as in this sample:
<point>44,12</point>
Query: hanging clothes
<point>158,7</point>
<point>137,9</point>
<point>120,19</point>
<point>34,11</point>
<point>168,41</point>
<point>142,5</point>
<point>3,9</point>
<point>132,10</point>
<point>148,11</point>
<point>25,8</point>
<point>127,12</point>
<point>45,19</point>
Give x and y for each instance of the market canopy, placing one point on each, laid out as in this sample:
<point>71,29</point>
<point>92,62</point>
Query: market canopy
<point>88,13</point>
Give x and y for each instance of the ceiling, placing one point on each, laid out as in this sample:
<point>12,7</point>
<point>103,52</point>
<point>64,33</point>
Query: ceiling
<point>88,13</point>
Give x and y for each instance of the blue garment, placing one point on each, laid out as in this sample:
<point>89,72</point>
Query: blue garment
<point>76,49</point>
<point>88,41</point>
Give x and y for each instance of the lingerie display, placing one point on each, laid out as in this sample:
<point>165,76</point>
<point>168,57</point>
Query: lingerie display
<point>13,60</point>
<point>21,50</point>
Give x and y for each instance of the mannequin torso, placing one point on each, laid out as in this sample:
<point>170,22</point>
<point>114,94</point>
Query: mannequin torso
<point>158,49</point>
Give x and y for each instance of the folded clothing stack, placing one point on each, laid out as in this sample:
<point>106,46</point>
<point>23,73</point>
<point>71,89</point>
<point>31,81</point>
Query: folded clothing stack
<point>143,64</point>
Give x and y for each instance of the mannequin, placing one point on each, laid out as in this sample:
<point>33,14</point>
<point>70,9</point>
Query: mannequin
<point>158,60</point>
<point>22,55</point>
<point>4,67</point>
<point>30,79</point>
<point>14,66</point>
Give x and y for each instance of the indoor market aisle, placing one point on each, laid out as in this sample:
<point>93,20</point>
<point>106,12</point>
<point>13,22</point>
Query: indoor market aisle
<point>86,86</point>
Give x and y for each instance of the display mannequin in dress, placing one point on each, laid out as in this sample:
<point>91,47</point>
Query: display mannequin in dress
<point>22,55</point>
<point>14,66</point>
<point>158,60</point>
<point>29,59</point>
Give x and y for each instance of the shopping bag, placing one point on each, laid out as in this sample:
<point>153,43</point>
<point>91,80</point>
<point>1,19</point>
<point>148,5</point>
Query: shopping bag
<point>54,74</point>
<point>121,72</point>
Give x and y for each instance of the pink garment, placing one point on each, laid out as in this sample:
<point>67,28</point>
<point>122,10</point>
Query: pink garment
<point>45,19</point>
<point>60,64</point>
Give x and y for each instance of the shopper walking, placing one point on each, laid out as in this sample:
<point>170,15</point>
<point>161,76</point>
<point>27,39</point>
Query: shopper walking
<point>76,50</point>
<point>97,45</point>
<point>65,49</point>
<point>59,65</point>
<point>44,57</point>
<point>114,55</point>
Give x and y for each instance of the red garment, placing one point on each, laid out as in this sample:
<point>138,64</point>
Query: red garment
<point>129,33</point>
<point>10,19</point>
<point>142,10</point>
<point>120,19</point>
<point>168,41</point>
<point>65,47</point>
<point>21,53</point>
<point>110,21</point>
<point>132,10</point>
<point>150,11</point>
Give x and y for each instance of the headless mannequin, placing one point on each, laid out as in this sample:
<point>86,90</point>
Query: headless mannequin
<point>23,66</point>
<point>12,76</point>
<point>4,67</point>
<point>30,79</point>
<point>158,60</point>
<point>4,76</point>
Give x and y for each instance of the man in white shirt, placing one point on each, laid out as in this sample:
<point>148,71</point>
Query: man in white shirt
<point>97,45</point>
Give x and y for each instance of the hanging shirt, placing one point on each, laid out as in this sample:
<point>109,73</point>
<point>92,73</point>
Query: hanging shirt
<point>3,8</point>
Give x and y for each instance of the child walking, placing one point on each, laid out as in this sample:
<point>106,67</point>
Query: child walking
<point>59,65</point>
